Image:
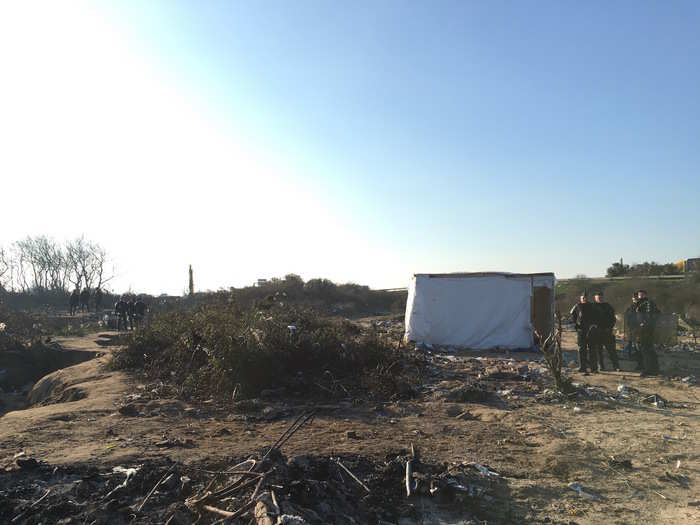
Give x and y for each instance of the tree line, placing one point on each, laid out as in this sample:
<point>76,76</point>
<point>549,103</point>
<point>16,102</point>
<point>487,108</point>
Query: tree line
<point>42,264</point>
<point>619,269</point>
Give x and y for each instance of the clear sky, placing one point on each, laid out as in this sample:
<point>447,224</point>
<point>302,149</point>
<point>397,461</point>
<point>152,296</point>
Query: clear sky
<point>359,141</point>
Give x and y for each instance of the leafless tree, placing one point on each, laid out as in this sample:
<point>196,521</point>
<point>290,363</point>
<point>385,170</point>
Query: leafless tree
<point>5,273</point>
<point>40,263</point>
<point>87,263</point>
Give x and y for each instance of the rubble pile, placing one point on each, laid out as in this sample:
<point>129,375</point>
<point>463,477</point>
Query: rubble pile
<point>267,488</point>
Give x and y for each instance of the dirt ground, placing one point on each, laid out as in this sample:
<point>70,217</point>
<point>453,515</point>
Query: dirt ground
<point>599,456</point>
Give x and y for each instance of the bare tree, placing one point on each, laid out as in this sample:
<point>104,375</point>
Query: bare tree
<point>5,269</point>
<point>87,263</point>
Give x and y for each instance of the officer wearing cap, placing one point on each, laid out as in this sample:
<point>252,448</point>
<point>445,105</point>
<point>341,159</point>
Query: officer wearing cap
<point>584,317</point>
<point>605,316</point>
<point>647,314</point>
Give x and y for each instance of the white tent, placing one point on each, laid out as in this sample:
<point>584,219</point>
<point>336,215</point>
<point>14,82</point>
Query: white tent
<point>480,310</point>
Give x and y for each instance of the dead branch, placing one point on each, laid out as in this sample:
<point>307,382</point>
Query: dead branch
<point>337,460</point>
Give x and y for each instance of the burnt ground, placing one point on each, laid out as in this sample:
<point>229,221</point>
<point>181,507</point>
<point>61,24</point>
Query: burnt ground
<point>493,442</point>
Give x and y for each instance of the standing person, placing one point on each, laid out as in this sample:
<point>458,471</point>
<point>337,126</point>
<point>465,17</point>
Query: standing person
<point>121,309</point>
<point>98,299</point>
<point>139,311</point>
<point>631,347</point>
<point>130,312</point>
<point>85,300</point>
<point>584,317</point>
<point>606,338</point>
<point>647,313</point>
<point>74,301</point>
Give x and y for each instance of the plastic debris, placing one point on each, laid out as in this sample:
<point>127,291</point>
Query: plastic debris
<point>578,488</point>
<point>485,471</point>
<point>130,473</point>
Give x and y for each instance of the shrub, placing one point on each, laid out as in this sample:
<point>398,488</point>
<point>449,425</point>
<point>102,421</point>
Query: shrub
<point>214,349</point>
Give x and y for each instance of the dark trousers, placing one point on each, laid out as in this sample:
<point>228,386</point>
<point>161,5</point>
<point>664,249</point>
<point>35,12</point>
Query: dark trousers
<point>649,359</point>
<point>122,320</point>
<point>587,351</point>
<point>607,341</point>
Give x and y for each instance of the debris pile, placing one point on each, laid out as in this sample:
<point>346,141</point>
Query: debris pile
<point>266,488</point>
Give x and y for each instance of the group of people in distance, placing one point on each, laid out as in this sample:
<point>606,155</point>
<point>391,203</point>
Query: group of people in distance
<point>594,329</point>
<point>129,310</point>
<point>80,300</point>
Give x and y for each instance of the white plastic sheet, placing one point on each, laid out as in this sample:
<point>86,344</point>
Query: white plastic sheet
<point>480,311</point>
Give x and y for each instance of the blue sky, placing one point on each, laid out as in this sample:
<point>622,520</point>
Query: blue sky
<point>417,136</point>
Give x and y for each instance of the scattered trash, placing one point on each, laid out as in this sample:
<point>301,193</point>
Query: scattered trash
<point>679,479</point>
<point>625,464</point>
<point>578,488</point>
<point>129,472</point>
<point>484,470</point>
<point>577,410</point>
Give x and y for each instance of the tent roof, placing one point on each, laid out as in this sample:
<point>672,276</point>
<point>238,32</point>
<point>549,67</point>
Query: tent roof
<point>483,274</point>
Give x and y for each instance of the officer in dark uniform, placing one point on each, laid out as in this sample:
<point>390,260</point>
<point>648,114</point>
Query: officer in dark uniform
<point>629,318</point>
<point>631,332</point>
<point>121,308</point>
<point>584,317</point>
<point>605,314</point>
<point>647,314</point>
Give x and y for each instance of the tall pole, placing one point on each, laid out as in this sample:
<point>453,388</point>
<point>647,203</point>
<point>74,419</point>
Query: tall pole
<point>191,281</point>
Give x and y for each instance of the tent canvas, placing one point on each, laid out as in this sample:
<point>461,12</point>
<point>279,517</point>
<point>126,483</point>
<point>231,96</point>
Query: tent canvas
<point>479,310</point>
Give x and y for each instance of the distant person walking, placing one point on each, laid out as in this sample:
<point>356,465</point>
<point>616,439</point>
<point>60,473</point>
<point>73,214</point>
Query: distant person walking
<point>647,316</point>
<point>139,311</point>
<point>605,317</point>
<point>74,301</point>
<point>130,312</point>
<point>584,317</point>
<point>85,300</point>
<point>121,309</point>
<point>98,299</point>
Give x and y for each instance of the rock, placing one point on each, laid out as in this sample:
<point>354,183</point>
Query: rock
<point>351,434</point>
<point>286,519</point>
<point>128,410</point>
<point>27,463</point>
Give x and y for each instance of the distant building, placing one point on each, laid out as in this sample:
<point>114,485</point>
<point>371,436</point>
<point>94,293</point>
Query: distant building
<point>262,282</point>
<point>689,265</point>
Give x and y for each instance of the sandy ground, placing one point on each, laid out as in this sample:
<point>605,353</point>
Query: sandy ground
<point>539,444</point>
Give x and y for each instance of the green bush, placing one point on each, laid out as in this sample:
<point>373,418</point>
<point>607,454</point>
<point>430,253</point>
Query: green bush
<point>213,349</point>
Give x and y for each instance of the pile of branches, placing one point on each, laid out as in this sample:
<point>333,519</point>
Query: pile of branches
<point>223,351</point>
<point>264,488</point>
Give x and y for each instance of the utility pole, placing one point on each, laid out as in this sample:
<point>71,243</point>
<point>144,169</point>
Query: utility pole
<point>191,282</point>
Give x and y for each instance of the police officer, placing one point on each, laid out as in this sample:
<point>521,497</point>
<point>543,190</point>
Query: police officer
<point>631,346</point>
<point>605,314</point>
<point>647,313</point>
<point>584,317</point>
